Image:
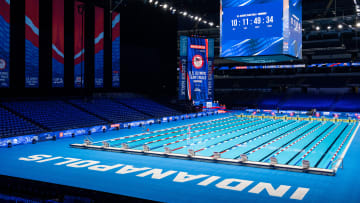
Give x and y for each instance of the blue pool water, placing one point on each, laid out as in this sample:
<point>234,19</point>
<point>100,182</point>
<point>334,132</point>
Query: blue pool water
<point>290,141</point>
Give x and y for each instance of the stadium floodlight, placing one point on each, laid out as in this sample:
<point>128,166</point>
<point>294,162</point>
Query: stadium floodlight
<point>173,11</point>
<point>317,28</point>
<point>340,26</point>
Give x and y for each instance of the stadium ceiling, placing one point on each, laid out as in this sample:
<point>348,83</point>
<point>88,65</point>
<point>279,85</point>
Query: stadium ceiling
<point>312,9</point>
<point>315,12</point>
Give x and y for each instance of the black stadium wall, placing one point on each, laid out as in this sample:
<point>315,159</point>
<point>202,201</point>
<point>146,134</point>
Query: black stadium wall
<point>148,59</point>
<point>148,49</point>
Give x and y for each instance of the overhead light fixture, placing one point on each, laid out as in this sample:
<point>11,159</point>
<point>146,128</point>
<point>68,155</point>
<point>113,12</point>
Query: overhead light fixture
<point>358,24</point>
<point>173,10</point>
<point>340,26</point>
<point>328,27</point>
<point>317,28</point>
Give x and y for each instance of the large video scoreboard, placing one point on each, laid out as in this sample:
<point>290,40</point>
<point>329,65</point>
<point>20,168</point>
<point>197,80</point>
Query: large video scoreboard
<point>252,28</point>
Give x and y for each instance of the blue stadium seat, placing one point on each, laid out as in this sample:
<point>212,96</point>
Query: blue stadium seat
<point>110,110</point>
<point>149,107</point>
<point>12,125</point>
<point>55,115</point>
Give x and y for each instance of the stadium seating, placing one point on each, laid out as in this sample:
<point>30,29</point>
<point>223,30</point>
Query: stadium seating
<point>348,103</point>
<point>12,125</point>
<point>54,115</point>
<point>306,102</point>
<point>269,101</point>
<point>322,102</point>
<point>149,107</point>
<point>110,110</point>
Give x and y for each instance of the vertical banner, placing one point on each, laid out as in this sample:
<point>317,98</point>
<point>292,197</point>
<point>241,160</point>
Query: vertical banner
<point>197,69</point>
<point>295,27</point>
<point>210,69</point>
<point>58,43</point>
<point>99,47</point>
<point>4,43</point>
<point>182,67</point>
<point>31,43</point>
<point>79,38</point>
<point>116,50</point>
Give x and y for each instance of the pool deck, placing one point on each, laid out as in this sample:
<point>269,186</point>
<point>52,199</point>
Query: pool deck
<point>176,180</point>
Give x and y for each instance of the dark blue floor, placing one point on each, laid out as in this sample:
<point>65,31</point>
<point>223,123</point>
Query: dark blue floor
<point>341,188</point>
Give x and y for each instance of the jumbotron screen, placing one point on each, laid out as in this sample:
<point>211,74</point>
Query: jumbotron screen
<point>261,28</point>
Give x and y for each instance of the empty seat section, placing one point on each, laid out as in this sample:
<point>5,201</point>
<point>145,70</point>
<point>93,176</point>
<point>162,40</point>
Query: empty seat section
<point>55,115</point>
<point>111,110</point>
<point>348,103</point>
<point>11,125</point>
<point>149,107</point>
<point>306,102</point>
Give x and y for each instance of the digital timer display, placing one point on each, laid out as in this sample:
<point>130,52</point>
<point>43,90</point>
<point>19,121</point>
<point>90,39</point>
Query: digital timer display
<point>260,27</point>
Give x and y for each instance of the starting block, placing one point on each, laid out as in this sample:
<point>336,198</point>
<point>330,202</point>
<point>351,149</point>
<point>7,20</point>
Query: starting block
<point>167,150</point>
<point>191,152</point>
<point>217,155</point>
<point>243,158</point>
<point>106,144</point>
<point>146,148</point>
<point>305,164</point>
<point>87,142</point>
<point>273,160</point>
<point>125,146</point>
